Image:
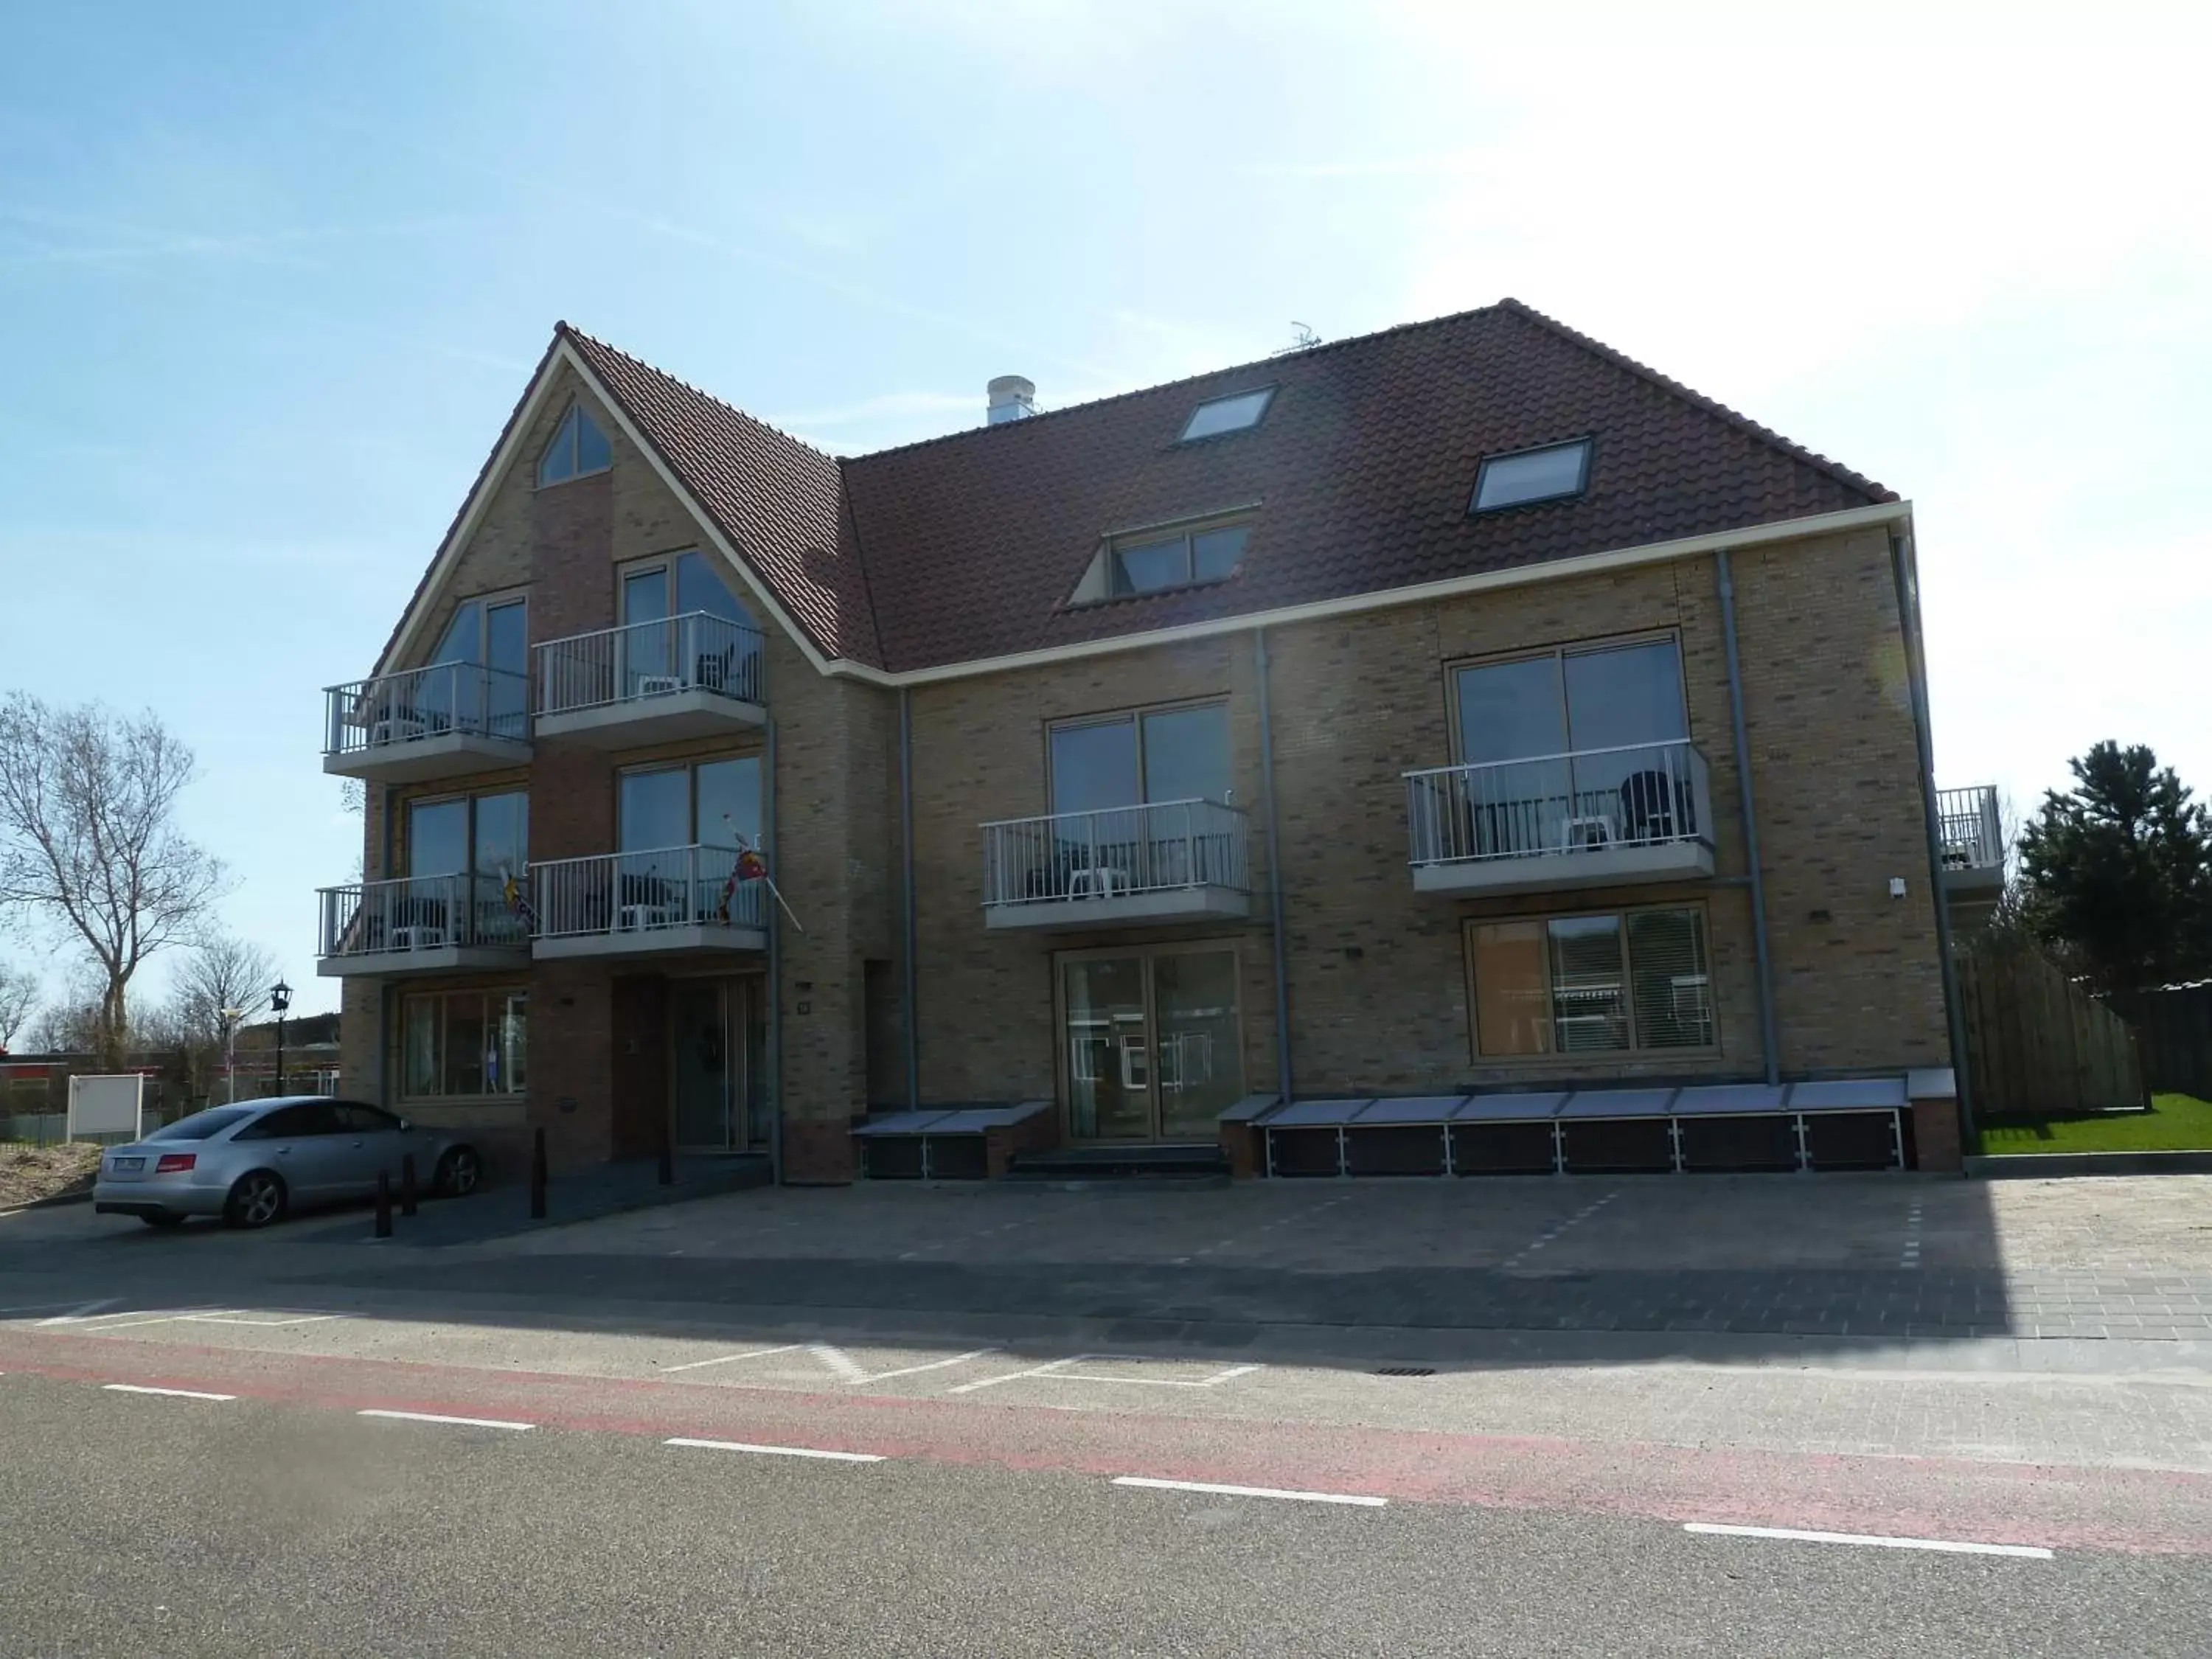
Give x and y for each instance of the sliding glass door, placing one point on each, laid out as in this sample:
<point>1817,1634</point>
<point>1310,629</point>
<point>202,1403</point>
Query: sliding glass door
<point>1152,1042</point>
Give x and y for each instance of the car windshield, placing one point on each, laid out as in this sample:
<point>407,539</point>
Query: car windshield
<point>202,1125</point>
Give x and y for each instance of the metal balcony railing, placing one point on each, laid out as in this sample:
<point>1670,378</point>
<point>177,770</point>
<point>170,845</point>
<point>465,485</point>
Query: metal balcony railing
<point>639,892</point>
<point>420,913</point>
<point>697,651</point>
<point>1967,822</point>
<point>1639,795</point>
<point>427,702</point>
<point>1156,847</point>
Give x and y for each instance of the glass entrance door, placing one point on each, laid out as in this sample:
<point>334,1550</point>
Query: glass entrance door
<point>1152,1043</point>
<point>715,1071</point>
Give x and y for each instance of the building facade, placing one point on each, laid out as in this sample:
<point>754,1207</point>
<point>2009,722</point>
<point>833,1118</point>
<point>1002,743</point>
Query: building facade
<point>1396,719</point>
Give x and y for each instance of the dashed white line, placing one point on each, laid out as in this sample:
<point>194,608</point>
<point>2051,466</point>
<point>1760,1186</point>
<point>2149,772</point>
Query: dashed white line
<point>1943,1546</point>
<point>434,1417</point>
<point>779,1451</point>
<point>1910,1258</point>
<point>1558,1227</point>
<point>728,1358</point>
<point>173,1393</point>
<point>1360,1499</point>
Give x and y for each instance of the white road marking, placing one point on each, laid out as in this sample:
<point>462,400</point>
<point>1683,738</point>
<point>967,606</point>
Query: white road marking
<point>1946,1546</point>
<point>174,1394</point>
<point>1558,1227</point>
<point>933,1365</point>
<point>847,1369</point>
<point>82,1310</point>
<point>1359,1498</point>
<point>1157,1381</point>
<point>266,1324</point>
<point>779,1451</point>
<point>433,1417</point>
<point>726,1358</point>
<point>126,1323</point>
<point>1910,1258</point>
<point>1045,1370</point>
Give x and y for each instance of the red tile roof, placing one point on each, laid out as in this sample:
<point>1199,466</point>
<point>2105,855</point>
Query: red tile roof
<point>969,546</point>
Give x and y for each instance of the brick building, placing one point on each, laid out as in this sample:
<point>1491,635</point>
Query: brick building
<point>1370,723</point>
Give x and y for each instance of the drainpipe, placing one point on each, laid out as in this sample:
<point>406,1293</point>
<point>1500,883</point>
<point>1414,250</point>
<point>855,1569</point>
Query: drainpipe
<point>1274,870</point>
<point>906,843</point>
<point>771,846</point>
<point>1769,1043</point>
<point>1906,573</point>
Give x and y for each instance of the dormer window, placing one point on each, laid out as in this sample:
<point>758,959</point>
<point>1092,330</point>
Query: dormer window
<point>579,446</point>
<point>1531,475</point>
<point>1231,414</point>
<point>1152,560</point>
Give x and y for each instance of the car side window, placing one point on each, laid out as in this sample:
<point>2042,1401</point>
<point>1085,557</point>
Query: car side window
<point>366,1119</point>
<point>293,1123</point>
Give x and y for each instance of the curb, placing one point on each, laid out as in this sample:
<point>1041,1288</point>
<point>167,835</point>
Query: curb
<point>2032,1166</point>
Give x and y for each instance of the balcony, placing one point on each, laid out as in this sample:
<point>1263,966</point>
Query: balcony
<point>1178,860</point>
<point>1972,840</point>
<point>692,675</point>
<point>444,721</point>
<point>667,901</point>
<point>1597,818</point>
<point>420,924</point>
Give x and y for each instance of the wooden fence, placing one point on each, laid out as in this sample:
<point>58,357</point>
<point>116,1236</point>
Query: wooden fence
<point>2037,1044</point>
<point>2175,1028</point>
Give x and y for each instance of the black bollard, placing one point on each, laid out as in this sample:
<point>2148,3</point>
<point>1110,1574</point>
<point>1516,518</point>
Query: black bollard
<point>537,1175</point>
<point>407,1192</point>
<point>383,1204</point>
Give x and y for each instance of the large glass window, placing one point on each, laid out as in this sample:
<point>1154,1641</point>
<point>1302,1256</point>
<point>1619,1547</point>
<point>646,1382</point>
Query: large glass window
<point>458,835</point>
<point>655,647</point>
<point>464,1043</point>
<point>712,803</point>
<point>1154,1042</point>
<point>482,634</point>
<point>1162,754</point>
<point>1590,984</point>
<point>579,445</point>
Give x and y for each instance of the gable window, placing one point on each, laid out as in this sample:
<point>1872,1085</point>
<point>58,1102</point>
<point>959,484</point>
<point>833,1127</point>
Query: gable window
<point>1231,414</point>
<point>490,633</point>
<point>1590,984</point>
<point>579,446</point>
<point>1532,475</point>
<point>657,648</point>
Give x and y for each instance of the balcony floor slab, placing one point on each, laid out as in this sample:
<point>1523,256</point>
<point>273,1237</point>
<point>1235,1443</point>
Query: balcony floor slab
<point>433,959</point>
<point>1613,865</point>
<point>1121,910</point>
<point>667,717</point>
<point>419,760</point>
<point>690,940</point>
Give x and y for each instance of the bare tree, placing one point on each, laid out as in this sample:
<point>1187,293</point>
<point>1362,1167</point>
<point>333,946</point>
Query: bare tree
<point>19,996</point>
<point>87,838</point>
<point>222,982</point>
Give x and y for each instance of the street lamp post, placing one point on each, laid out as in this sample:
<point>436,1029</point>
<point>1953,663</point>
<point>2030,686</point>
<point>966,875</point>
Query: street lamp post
<point>230,1019</point>
<point>280,999</point>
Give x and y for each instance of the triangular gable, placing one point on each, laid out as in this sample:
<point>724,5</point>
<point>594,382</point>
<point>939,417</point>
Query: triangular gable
<point>755,494</point>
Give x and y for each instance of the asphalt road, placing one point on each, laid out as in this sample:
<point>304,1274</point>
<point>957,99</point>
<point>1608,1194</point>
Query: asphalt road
<point>138,1524</point>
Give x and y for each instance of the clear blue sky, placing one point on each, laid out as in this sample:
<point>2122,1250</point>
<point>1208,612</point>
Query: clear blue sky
<point>272,277</point>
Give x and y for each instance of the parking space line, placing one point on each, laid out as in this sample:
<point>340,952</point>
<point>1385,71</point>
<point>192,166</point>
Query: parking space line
<point>1911,1255</point>
<point>82,1310</point>
<point>779,1451</point>
<point>126,1322</point>
<point>263,1324</point>
<point>1156,1382</point>
<point>1558,1227</point>
<point>933,1365</point>
<point>727,1358</point>
<point>434,1417</point>
<point>1361,1499</point>
<point>1045,1370</point>
<point>173,1393</point>
<point>848,1369</point>
<point>1944,1546</point>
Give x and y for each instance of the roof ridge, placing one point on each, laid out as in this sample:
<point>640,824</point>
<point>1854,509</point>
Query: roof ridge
<point>1348,341</point>
<point>1713,406</point>
<point>564,327</point>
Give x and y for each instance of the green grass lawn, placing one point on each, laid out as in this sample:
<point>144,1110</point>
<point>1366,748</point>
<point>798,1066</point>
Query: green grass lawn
<point>2174,1123</point>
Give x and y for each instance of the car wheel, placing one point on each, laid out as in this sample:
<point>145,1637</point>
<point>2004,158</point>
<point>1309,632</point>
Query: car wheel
<point>257,1200</point>
<point>164,1222</point>
<point>459,1172</point>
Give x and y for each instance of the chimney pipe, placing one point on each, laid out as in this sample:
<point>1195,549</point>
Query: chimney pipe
<point>1012,398</point>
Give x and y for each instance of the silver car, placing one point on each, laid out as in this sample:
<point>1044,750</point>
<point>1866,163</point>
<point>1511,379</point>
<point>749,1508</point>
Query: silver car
<point>252,1165</point>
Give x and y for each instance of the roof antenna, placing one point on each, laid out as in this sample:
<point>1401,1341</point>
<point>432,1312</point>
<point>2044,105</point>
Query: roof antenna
<point>1303,339</point>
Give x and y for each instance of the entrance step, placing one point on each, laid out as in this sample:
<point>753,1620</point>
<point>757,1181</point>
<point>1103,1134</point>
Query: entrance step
<point>1162,1166</point>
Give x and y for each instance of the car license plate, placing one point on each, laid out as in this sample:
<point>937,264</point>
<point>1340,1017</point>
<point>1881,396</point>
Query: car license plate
<point>127,1165</point>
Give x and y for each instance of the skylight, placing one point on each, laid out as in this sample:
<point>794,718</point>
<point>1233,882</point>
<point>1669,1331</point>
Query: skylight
<point>1153,561</point>
<point>1532,475</point>
<point>579,446</point>
<point>1234,414</point>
